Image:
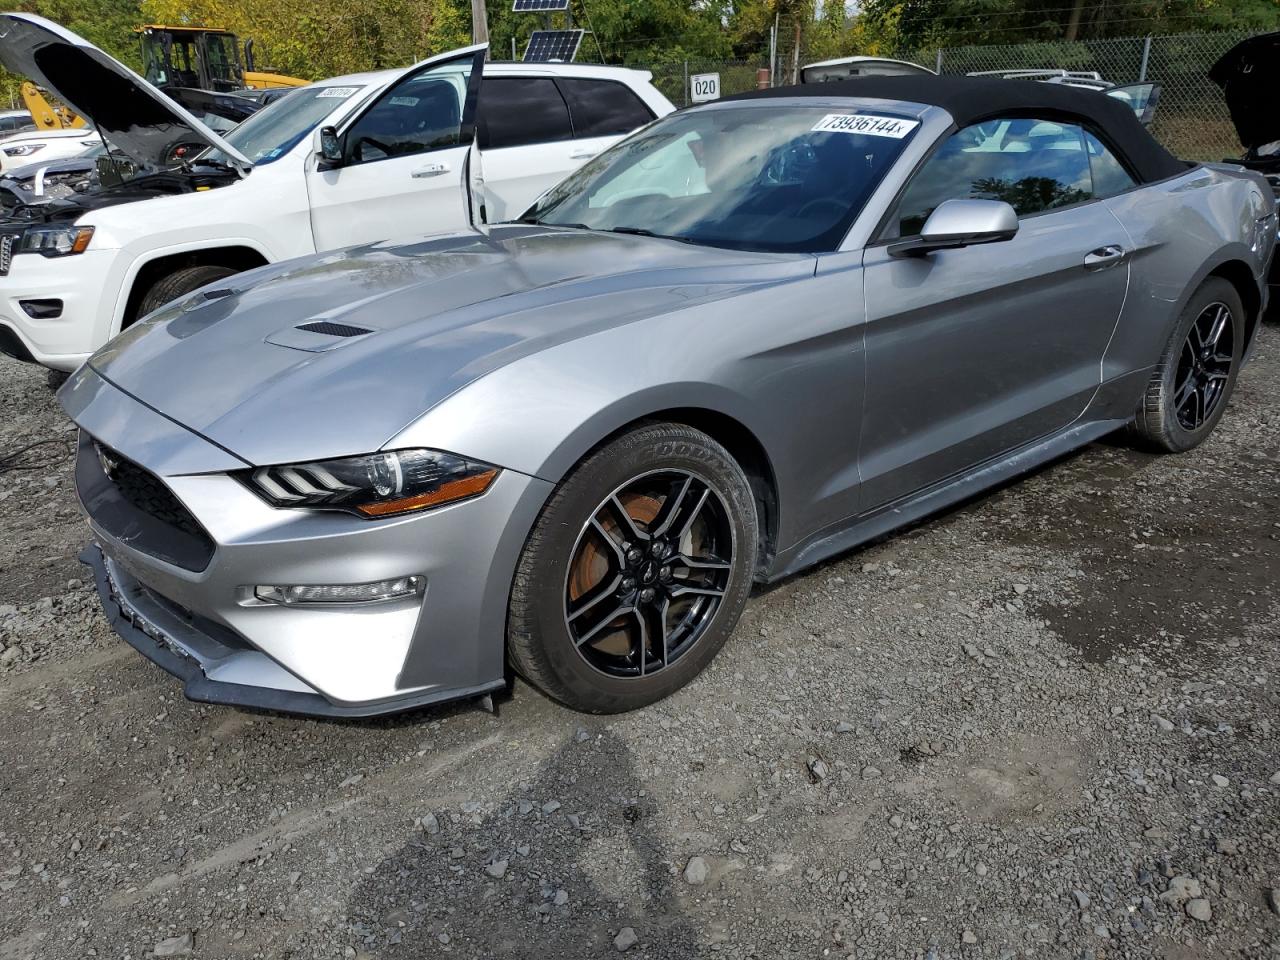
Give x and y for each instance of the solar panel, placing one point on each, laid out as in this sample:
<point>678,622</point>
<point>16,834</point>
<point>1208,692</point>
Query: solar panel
<point>539,6</point>
<point>547,45</point>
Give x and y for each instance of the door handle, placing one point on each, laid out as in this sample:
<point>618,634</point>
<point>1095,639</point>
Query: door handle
<point>430,170</point>
<point>1111,255</point>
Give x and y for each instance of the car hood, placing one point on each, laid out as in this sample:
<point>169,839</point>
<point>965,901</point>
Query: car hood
<point>333,355</point>
<point>133,115</point>
<point>1249,75</point>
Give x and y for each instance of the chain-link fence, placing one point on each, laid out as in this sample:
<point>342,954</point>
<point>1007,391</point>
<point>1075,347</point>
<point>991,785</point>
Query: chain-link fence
<point>1191,119</point>
<point>672,78</point>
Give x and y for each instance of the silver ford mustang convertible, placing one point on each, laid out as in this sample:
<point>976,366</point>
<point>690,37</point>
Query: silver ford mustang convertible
<point>751,336</point>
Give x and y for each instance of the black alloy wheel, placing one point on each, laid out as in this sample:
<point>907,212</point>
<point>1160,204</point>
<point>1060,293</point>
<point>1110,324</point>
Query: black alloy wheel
<point>648,572</point>
<point>1205,366</point>
<point>635,572</point>
<point>1191,382</point>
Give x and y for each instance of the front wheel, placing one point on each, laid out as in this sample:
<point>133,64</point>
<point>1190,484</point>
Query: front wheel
<point>179,284</point>
<point>636,571</point>
<point>1190,386</point>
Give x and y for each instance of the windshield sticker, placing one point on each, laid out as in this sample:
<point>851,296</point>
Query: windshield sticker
<point>340,92</point>
<point>404,101</point>
<point>866,123</point>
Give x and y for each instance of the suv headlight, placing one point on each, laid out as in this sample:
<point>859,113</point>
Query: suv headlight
<point>54,241</point>
<point>23,149</point>
<point>378,485</point>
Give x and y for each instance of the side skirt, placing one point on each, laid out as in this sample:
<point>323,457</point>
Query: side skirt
<point>868,526</point>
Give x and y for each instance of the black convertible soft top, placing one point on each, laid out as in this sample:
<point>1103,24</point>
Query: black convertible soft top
<point>974,99</point>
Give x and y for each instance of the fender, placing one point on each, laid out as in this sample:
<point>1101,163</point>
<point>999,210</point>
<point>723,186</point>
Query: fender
<point>1230,253</point>
<point>136,265</point>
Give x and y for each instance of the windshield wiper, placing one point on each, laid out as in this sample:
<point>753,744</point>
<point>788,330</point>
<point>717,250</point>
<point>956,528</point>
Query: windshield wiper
<point>534,221</point>
<point>642,232</point>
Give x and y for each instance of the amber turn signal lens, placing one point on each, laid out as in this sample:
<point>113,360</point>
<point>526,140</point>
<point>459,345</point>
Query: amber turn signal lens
<point>81,242</point>
<point>461,489</point>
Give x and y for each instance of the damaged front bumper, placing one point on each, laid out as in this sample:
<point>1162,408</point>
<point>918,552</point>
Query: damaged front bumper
<point>211,665</point>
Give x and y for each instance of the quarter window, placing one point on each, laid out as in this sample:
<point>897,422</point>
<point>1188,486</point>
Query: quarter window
<point>1033,165</point>
<point>515,111</point>
<point>1109,175</point>
<point>603,108</point>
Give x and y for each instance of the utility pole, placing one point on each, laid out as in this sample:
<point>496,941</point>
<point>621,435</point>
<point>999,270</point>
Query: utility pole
<point>479,22</point>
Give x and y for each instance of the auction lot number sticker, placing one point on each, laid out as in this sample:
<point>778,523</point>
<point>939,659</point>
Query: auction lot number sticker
<point>866,123</point>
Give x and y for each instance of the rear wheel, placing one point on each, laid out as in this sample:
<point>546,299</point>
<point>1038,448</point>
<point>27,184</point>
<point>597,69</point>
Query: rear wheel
<point>635,573</point>
<point>179,283</point>
<point>1190,386</point>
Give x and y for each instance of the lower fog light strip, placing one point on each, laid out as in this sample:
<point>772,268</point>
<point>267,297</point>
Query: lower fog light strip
<point>376,592</point>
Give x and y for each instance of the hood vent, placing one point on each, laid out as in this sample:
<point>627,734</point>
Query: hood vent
<point>328,328</point>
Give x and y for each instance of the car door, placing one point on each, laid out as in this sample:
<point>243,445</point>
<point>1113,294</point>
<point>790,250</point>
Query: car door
<point>526,141</point>
<point>535,131</point>
<point>603,112</point>
<point>974,352</point>
<point>404,158</point>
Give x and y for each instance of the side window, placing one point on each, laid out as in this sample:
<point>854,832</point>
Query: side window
<point>1033,165</point>
<point>515,111</point>
<point>603,108</point>
<point>1109,175</point>
<point>421,114</point>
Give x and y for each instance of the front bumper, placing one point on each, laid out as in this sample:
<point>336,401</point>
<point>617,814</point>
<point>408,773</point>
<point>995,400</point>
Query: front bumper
<point>213,670</point>
<point>193,611</point>
<point>83,284</point>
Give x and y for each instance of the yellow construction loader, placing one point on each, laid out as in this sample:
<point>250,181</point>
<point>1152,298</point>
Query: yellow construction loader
<point>46,115</point>
<point>204,58</point>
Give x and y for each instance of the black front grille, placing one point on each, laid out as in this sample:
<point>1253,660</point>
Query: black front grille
<point>331,329</point>
<point>134,506</point>
<point>145,491</point>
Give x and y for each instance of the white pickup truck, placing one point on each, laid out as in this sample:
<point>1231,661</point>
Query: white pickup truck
<point>341,162</point>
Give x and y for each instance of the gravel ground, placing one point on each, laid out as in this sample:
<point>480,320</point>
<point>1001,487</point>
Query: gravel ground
<point>1044,725</point>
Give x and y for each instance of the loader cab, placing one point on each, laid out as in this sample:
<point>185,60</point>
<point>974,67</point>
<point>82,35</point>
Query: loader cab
<point>194,57</point>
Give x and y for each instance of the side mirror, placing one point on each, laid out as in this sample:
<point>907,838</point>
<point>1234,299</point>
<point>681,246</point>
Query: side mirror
<point>960,223</point>
<point>328,145</point>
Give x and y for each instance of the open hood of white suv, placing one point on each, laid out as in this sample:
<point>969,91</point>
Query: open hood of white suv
<point>134,116</point>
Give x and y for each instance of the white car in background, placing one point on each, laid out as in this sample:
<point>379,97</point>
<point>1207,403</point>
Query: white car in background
<point>39,146</point>
<point>345,161</point>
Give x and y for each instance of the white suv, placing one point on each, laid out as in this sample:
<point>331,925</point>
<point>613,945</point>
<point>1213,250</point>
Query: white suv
<point>342,162</point>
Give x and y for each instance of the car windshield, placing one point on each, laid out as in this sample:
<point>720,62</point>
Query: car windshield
<point>278,127</point>
<point>754,177</point>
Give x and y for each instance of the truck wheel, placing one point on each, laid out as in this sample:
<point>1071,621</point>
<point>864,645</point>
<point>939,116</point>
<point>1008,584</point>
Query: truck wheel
<point>179,283</point>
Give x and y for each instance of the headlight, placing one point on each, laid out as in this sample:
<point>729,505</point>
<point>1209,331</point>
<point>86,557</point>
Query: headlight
<point>23,149</point>
<point>54,241</point>
<point>377,485</point>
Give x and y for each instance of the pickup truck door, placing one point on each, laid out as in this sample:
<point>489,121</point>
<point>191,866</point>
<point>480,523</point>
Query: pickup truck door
<point>404,158</point>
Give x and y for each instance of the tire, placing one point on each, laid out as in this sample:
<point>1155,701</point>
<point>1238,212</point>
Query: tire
<point>1169,419</point>
<point>179,283</point>
<point>689,612</point>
